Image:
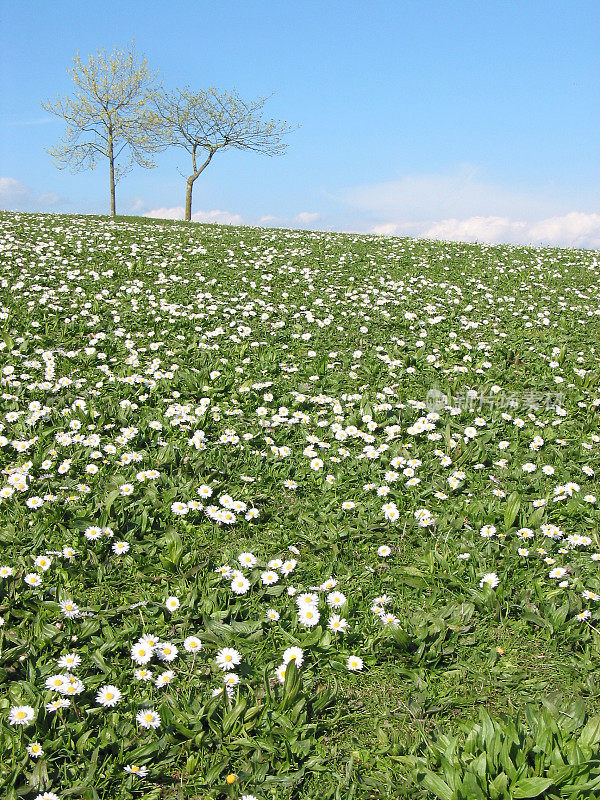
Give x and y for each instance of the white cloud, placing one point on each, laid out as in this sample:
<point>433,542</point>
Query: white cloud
<point>27,122</point>
<point>222,217</point>
<point>12,191</point>
<point>136,205</point>
<point>575,229</point>
<point>461,206</point>
<point>306,217</point>
<point>477,229</point>
<point>395,228</point>
<point>47,199</point>
<point>459,194</point>
<point>16,196</point>
<point>178,212</point>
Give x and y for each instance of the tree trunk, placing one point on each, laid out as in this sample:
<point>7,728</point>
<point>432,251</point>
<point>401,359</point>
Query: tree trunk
<point>111,160</point>
<point>190,182</point>
<point>188,199</point>
<point>112,189</point>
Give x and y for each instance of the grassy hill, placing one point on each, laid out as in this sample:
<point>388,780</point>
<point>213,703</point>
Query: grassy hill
<point>296,514</point>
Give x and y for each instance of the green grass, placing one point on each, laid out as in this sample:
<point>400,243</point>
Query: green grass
<point>232,332</point>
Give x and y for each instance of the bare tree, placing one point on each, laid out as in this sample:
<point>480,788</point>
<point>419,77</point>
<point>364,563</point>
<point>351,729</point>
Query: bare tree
<point>107,116</point>
<point>207,121</point>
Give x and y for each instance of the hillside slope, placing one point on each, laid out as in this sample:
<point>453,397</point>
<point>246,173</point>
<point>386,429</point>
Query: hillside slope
<point>284,506</point>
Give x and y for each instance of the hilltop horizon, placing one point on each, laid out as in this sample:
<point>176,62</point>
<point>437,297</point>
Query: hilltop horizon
<point>455,121</point>
<point>145,219</point>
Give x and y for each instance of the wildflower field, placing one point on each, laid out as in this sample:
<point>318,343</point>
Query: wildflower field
<point>296,515</point>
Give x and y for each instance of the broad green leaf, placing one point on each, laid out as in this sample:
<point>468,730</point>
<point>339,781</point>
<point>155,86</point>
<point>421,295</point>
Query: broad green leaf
<point>439,787</point>
<point>511,509</point>
<point>530,787</point>
<point>590,735</point>
<point>471,788</point>
<point>497,788</point>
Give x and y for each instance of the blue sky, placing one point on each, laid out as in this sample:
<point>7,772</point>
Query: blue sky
<point>450,119</point>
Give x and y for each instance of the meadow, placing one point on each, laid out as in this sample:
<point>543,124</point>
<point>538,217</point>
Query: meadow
<point>287,514</point>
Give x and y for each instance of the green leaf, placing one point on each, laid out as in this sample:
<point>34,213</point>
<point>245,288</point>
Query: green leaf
<point>497,787</point>
<point>535,619</point>
<point>150,748</point>
<point>471,788</point>
<point>214,772</point>
<point>93,763</point>
<point>401,639</point>
<point>590,735</point>
<point>110,499</point>
<point>575,715</point>
<point>530,787</point>
<point>173,545</point>
<point>100,662</point>
<point>439,787</point>
<point>581,787</point>
<point>230,719</point>
<point>81,742</point>
<point>511,509</point>
<point>39,775</point>
<point>291,685</point>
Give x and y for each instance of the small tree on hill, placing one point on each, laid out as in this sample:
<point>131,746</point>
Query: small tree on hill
<point>204,122</point>
<point>107,116</point>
